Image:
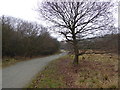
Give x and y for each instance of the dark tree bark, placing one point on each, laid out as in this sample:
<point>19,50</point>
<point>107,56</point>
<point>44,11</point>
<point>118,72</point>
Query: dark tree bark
<point>76,51</point>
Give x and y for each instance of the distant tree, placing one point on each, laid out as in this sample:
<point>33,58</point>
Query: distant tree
<point>76,20</point>
<point>47,44</point>
<point>107,43</point>
<point>7,36</point>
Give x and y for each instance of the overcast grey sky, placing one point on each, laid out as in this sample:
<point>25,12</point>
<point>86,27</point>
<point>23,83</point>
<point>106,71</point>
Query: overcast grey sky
<point>25,9</point>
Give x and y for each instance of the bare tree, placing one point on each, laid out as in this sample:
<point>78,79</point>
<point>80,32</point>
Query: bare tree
<point>77,20</point>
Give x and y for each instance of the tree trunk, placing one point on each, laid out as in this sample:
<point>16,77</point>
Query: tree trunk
<point>76,53</point>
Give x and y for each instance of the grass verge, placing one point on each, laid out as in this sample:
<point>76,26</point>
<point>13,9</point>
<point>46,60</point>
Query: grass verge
<point>50,77</point>
<point>93,71</point>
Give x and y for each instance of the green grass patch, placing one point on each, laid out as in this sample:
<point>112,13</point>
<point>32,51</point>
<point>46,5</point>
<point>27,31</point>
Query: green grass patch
<point>49,77</point>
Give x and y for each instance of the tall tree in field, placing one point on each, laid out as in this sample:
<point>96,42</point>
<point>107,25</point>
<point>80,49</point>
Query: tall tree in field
<point>76,20</point>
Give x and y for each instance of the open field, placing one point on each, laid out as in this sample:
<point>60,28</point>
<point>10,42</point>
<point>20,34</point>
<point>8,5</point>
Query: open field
<point>93,71</point>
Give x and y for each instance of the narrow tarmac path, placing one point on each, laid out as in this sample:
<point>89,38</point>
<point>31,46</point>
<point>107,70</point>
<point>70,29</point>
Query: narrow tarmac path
<point>20,74</point>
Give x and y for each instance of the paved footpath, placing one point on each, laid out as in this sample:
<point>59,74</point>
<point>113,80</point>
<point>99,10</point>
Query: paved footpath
<point>20,74</point>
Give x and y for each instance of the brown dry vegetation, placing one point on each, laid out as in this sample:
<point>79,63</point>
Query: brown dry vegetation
<point>93,71</point>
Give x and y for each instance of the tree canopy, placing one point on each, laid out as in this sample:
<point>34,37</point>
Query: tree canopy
<point>77,20</point>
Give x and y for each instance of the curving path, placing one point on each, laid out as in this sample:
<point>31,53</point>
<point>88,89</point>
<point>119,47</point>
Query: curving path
<point>20,74</point>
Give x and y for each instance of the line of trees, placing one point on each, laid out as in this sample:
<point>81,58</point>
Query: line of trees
<point>23,38</point>
<point>108,43</point>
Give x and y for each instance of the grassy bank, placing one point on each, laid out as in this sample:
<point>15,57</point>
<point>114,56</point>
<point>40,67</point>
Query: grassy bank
<point>93,71</point>
<point>50,77</point>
